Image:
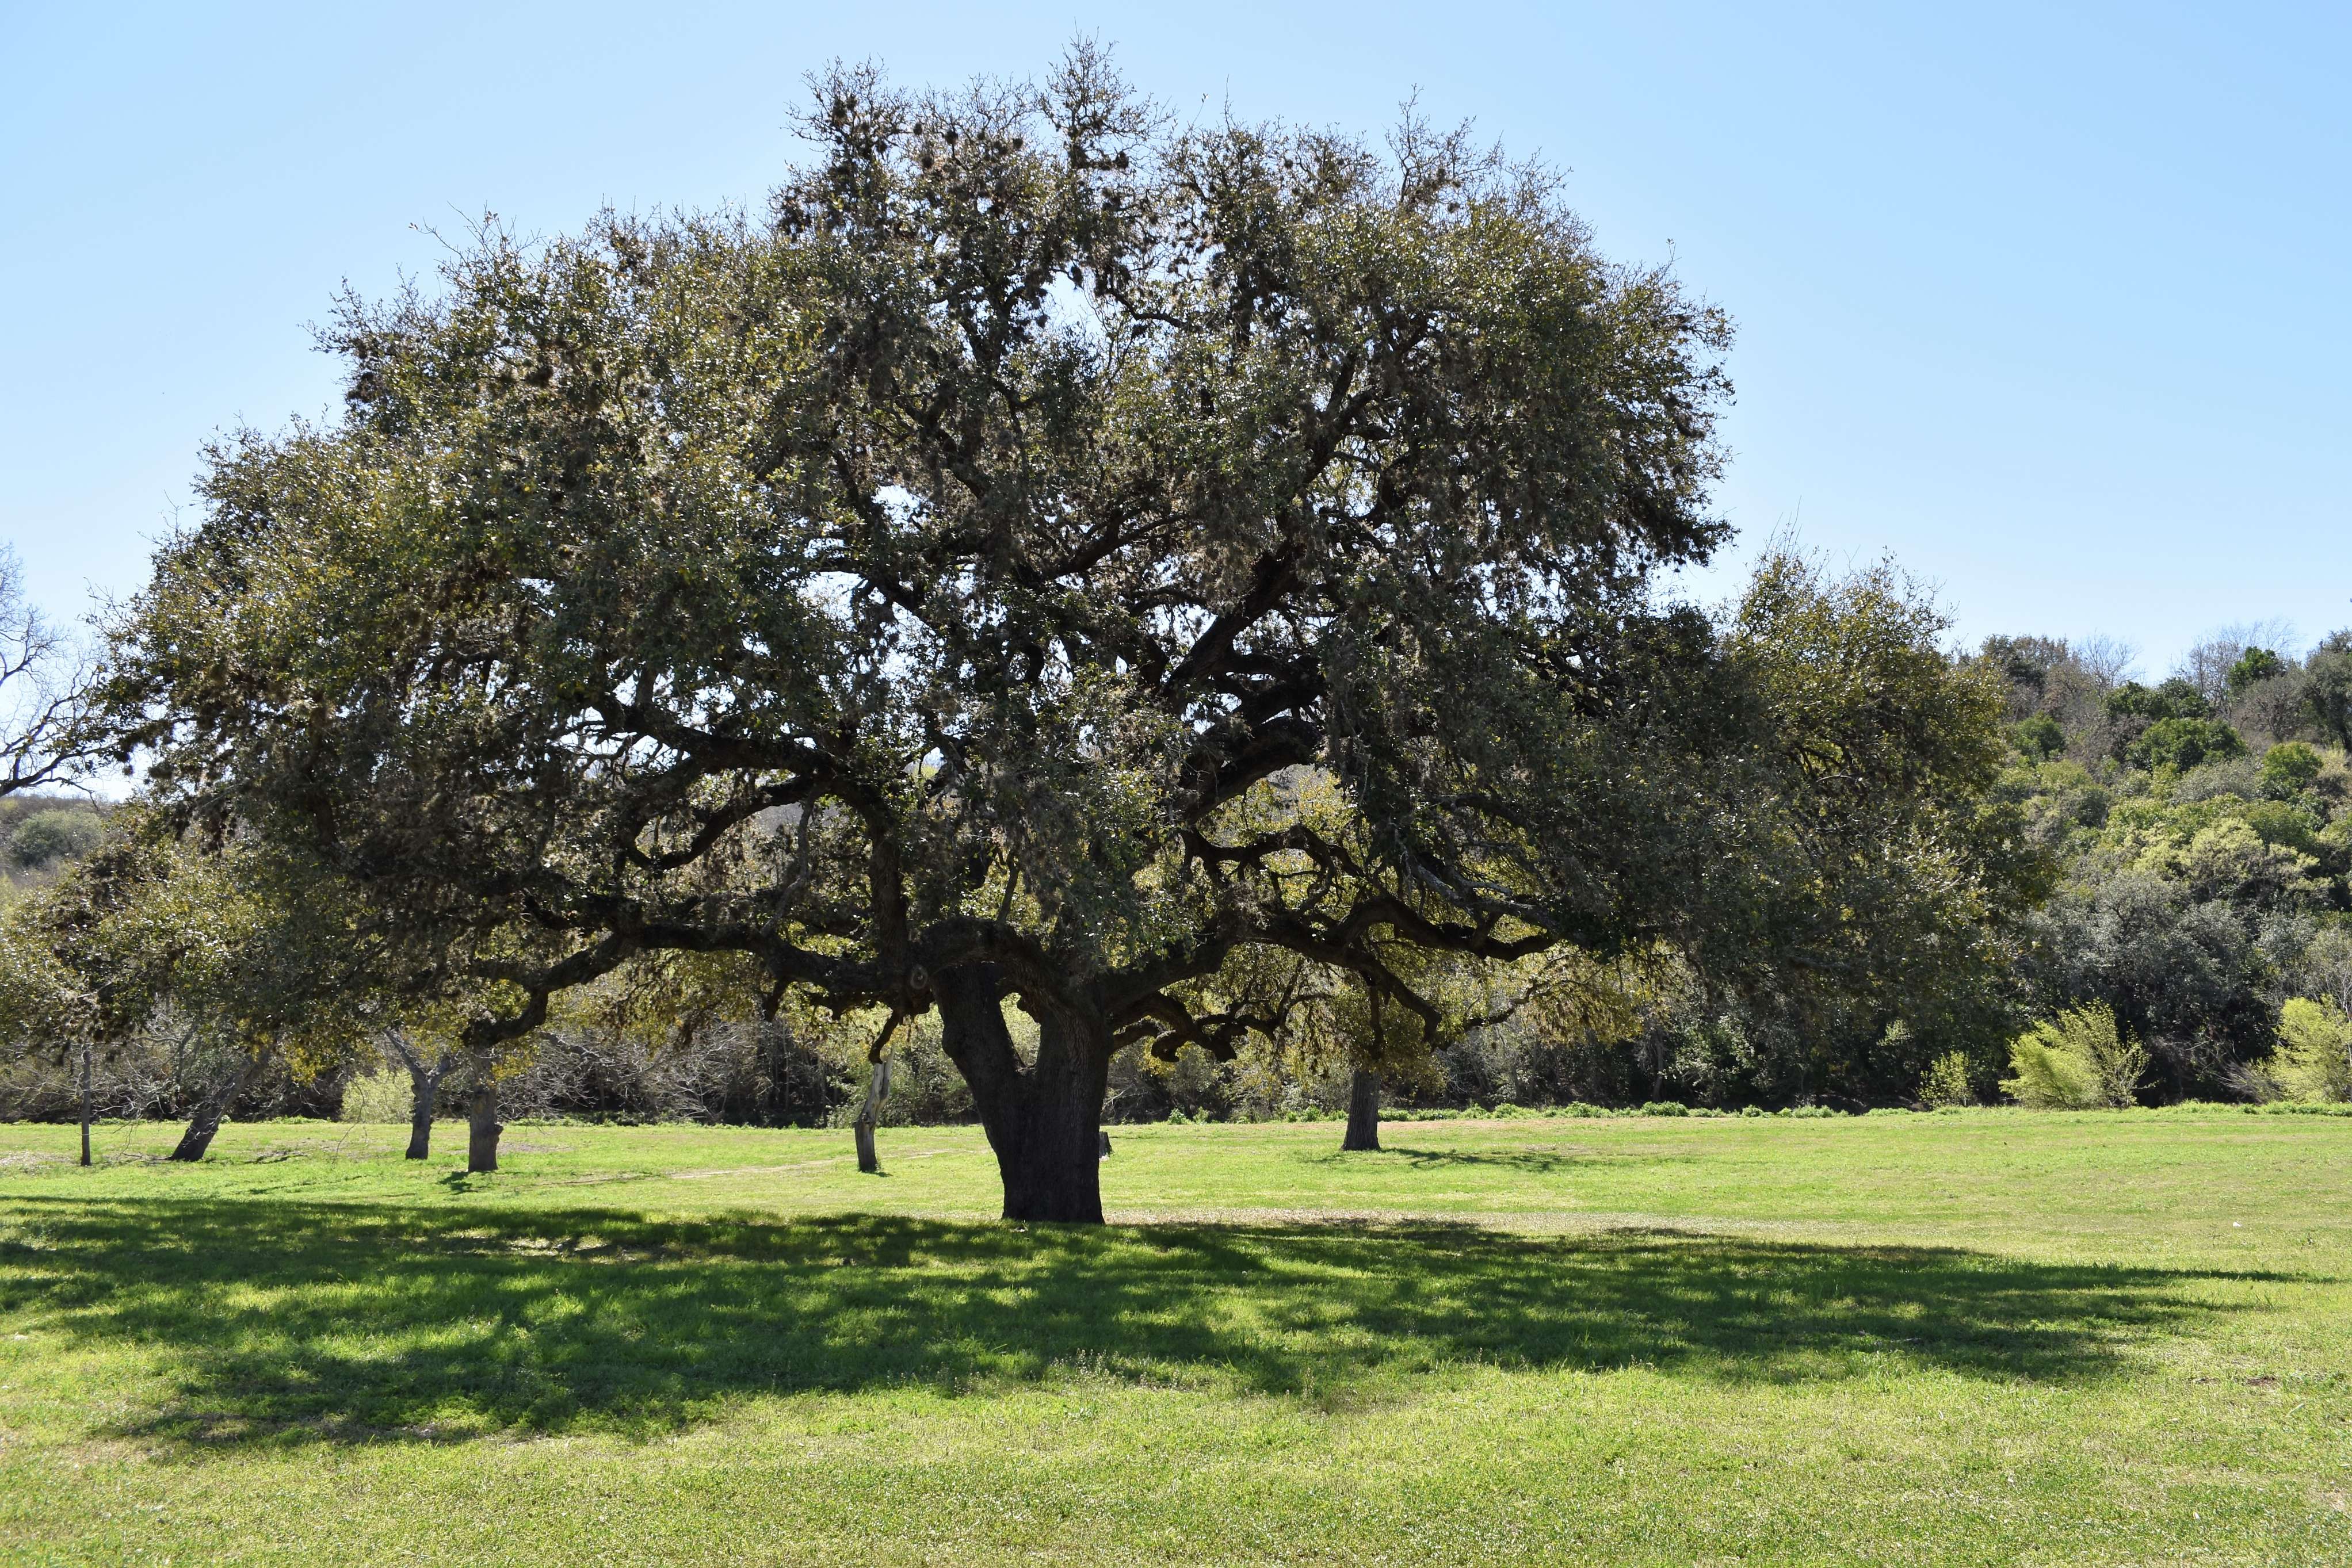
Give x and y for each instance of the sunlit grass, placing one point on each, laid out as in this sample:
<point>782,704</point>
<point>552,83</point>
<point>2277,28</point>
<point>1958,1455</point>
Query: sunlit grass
<point>1984,1338</point>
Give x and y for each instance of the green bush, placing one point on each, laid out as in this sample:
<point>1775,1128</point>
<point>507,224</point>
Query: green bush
<point>2039,737</point>
<point>2176,698</point>
<point>2183,743</point>
<point>2313,1060</point>
<point>1664,1108</point>
<point>384,1096</point>
<point>2253,666</point>
<point>2288,768</point>
<point>2075,1062</point>
<point>45,838</point>
<point>1947,1082</point>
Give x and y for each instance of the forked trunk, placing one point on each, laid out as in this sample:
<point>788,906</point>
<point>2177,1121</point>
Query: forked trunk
<point>482,1124</point>
<point>426,1088</point>
<point>1043,1120</point>
<point>869,1116</point>
<point>1363,1113</point>
<point>211,1109</point>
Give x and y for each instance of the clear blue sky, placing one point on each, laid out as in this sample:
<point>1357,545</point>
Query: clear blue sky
<point>2054,303</point>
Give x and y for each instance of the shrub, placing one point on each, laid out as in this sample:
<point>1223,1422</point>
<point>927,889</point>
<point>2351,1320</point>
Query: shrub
<point>2039,737</point>
<point>2075,1062</point>
<point>384,1096</point>
<point>2288,769</point>
<point>45,838</point>
<point>2183,743</point>
<point>1947,1082</point>
<point>1664,1108</point>
<point>2313,1060</point>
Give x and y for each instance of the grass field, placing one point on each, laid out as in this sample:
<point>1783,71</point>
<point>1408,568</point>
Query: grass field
<point>1992,1337</point>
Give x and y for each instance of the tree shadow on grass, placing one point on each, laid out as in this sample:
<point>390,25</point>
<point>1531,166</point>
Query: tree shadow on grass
<point>353,1321</point>
<point>1525,1162</point>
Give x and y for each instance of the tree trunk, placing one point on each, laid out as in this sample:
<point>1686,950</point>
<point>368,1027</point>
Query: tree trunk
<point>199,1136</point>
<point>85,1102</point>
<point>211,1109</point>
<point>1044,1120</point>
<point>1363,1113</point>
<point>427,1089</point>
<point>482,1124</point>
<point>869,1116</point>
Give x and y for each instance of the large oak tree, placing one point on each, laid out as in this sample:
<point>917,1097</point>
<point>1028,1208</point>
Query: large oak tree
<point>945,590</point>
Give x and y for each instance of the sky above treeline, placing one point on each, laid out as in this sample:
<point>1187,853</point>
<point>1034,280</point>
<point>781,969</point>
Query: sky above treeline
<point>2052,303</point>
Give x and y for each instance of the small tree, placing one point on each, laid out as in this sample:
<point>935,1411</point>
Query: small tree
<point>2327,688</point>
<point>2253,667</point>
<point>2038,737</point>
<point>1947,1083</point>
<point>2077,1061</point>
<point>43,839</point>
<point>2288,769</point>
<point>232,950</point>
<point>2313,1060</point>
<point>2185,743</point>
<point>82,964</point>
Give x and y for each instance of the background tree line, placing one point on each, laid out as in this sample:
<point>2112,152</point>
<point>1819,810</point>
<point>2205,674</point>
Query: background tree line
<point>2201,824</point>
<point>2204,825</point>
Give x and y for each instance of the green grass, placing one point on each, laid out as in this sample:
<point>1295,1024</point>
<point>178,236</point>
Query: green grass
<point>1995,1337</point>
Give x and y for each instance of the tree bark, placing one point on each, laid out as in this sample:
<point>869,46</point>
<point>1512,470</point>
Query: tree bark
<point>869,1116</point>
<point>425,1092</point>
<point>1363,1133</point>
<point>211,1109</point>
<point>425,1088</point>
<point>482,1124</point>
<point>85,1102</point>
<point>199,1135</point>
<point>1044,1120</point>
